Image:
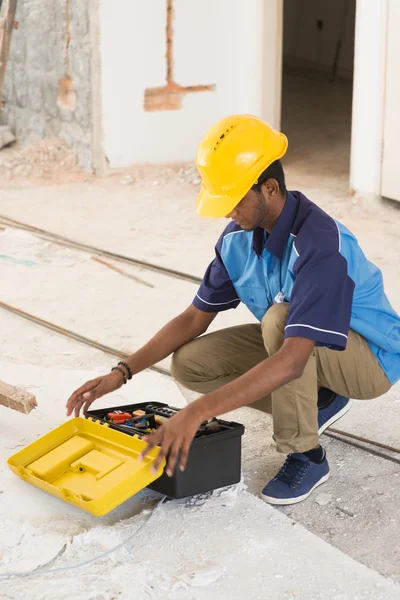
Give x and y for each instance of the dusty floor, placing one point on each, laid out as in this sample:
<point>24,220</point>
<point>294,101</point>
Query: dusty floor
<point>316,117</point>
<point>182,552</point>
<point>148,213</point>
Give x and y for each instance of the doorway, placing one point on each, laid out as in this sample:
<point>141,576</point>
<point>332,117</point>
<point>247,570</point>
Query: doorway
<point>317,84</point>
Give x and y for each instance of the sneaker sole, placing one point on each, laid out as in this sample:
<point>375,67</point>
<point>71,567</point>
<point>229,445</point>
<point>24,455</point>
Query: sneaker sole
<point>287,501</point>
<point>335,417</point>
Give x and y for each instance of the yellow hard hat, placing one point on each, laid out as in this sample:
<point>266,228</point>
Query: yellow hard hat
<point>231,157</point>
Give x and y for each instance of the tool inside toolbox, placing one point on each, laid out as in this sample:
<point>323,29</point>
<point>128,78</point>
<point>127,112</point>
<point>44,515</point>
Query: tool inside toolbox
<point>145,420</point>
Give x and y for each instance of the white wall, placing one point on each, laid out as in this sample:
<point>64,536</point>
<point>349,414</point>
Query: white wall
<point>215,42</point>
<point>368,96</point>
<point>305,45</point>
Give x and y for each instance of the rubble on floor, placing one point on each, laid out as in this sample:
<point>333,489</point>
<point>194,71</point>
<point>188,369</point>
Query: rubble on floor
<point>44,159</point>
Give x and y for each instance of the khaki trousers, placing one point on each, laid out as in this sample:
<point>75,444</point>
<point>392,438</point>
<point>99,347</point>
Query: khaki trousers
<point>212,360</point>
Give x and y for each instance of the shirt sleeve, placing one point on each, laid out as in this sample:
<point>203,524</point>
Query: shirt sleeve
<point>321,299</point>
<point>216,292</point>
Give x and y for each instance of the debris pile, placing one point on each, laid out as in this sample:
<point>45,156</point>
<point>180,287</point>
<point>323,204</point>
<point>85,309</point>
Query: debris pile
<point>189,174</point>
<point>41,160</point>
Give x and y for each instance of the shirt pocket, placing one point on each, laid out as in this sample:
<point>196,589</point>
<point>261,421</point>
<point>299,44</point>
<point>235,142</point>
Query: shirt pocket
<point>255,298</point>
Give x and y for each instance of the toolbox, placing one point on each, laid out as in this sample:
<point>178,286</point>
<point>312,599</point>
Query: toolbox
<point>86,464</point>
<point>93,463</point>
<point>214,459</point>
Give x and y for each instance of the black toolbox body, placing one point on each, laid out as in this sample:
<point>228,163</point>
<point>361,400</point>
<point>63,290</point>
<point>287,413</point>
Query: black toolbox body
<point>214,460</point>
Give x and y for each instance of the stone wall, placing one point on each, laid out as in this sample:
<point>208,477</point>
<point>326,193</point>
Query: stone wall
<point>37,63</point>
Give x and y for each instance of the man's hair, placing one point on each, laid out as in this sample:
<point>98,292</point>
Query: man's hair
<point>274,171</point>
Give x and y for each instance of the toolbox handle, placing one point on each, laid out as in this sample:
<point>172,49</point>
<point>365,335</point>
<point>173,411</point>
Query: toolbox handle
<point>120,428</point>
<point>99,421</point>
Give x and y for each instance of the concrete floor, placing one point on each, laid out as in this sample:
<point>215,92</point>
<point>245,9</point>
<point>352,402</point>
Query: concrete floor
<point>228,544</point>
<point>358,509</point>
<point>118,312</point>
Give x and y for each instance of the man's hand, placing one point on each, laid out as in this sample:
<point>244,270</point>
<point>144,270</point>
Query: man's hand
<point>174,437</point>
<point>90,391</point>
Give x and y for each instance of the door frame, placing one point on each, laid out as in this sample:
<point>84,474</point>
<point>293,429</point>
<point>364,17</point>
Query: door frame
<point>270,65</point>
<point>367,125</point>
<point>368,97</point>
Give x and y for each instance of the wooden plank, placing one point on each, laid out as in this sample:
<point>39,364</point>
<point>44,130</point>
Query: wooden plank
<point>16,398</point>
<point>8,9</point>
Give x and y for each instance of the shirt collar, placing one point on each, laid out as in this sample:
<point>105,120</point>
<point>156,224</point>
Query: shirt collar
<point>276,241</point>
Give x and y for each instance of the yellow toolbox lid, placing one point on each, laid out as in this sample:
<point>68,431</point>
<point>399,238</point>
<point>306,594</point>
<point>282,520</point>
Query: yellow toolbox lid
<point>87,464</point>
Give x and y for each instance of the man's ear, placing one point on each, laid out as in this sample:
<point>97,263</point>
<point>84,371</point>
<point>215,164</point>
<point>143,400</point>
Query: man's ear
<point>270,188</point>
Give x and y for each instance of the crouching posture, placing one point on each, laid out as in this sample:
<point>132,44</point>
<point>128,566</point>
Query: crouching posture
<point>326,331</point>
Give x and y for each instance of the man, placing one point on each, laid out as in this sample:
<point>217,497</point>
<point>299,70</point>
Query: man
<point>326,330</point>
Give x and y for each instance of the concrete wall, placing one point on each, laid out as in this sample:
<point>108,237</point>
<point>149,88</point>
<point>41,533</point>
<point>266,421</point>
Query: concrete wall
<point>37,63</point>
<point>214,43</point>
<point>307,46</point>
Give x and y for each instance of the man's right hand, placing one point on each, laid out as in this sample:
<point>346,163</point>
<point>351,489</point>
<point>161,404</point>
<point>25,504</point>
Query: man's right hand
<point>93,389</point>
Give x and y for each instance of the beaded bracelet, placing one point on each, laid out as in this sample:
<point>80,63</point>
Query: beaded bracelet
<point>121,371</point>
<point>127,367</point>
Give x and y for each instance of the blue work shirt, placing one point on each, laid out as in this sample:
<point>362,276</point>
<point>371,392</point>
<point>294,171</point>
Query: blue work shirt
<point>316,264</point>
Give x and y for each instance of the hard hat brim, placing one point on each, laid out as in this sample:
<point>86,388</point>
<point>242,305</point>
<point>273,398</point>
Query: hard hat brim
<point>215,207</point>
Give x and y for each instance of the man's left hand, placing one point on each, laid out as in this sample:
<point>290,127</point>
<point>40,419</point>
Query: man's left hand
<point>174,437</point>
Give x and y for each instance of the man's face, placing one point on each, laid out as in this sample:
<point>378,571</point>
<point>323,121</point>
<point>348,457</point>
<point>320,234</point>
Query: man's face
<point>251,212</point>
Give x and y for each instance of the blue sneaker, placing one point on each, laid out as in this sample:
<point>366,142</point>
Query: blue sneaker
<point>331,413</point>
<point>298,477</point>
